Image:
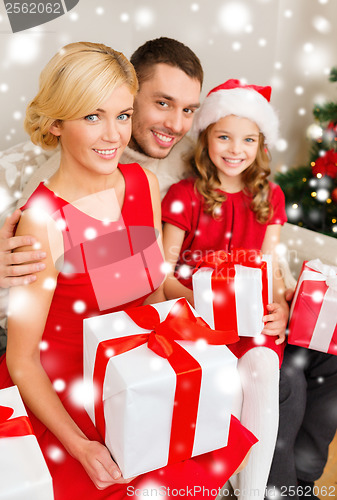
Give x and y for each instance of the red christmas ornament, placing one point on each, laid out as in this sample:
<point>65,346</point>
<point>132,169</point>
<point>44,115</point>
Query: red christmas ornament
<point>326,165</point>
<point>332,127</point>
<point>330,133</point>
<point>334,195</point>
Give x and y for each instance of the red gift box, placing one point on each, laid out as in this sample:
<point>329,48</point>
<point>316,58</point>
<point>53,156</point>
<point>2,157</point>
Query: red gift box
<point>313,316</point>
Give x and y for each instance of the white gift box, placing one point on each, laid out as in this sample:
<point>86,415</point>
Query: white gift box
<point>139,391</point>
<point>24,474</point>
<point>247,307</point>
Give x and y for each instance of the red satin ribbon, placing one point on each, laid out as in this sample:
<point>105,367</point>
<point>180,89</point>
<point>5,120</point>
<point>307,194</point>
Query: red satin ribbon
<point>13,427</point>
<point>223,264</point>
<point>180,324</point>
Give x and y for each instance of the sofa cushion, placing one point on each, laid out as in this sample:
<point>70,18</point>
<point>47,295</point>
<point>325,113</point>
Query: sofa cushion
<point>301,244</point>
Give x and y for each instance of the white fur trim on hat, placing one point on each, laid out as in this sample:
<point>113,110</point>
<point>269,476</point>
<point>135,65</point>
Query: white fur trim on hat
<point>243,102</point>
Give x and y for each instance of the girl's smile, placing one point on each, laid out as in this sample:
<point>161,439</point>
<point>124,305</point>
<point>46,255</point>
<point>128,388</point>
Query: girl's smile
<point>232,161</point>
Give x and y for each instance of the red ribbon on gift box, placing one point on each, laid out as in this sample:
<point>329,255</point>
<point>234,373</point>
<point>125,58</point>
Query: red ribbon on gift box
<point>223,263</point>
<point>307,328</point>
<point>180,324</point>
<point>13,427</point>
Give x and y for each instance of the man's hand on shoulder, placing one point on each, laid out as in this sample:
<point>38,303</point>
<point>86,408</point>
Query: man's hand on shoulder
<point>18,268</point>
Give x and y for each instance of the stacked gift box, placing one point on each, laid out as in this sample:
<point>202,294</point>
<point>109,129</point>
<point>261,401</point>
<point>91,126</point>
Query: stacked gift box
<point>163,384</point>
<point>232,290</point>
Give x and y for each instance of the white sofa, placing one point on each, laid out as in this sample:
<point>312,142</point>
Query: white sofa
<point>299,244</point>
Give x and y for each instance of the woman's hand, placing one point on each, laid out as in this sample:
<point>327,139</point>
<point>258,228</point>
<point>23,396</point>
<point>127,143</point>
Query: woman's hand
<point>276,321</point>
<point>25,330</point>
<point>98,464</point>
<point>289,295</point>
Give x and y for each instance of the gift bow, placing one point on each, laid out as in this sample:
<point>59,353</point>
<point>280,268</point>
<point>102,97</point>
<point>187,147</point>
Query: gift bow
<point>220,259</point>
<point>328,273</point>
<point>13,427</point>
<point>180,324</point>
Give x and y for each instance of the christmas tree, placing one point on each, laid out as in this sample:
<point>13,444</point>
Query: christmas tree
<point>311,190</point>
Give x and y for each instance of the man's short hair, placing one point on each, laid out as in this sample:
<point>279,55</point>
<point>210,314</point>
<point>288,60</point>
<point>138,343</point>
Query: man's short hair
<point>167,51</point>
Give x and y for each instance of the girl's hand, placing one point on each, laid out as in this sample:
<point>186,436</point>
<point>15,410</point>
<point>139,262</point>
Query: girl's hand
<point>98,464</point>
<point>276,321</point>
<point>289,295</point>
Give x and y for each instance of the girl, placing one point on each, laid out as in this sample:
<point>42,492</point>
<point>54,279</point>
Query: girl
<point>229,203</point>
<point>87,218</point>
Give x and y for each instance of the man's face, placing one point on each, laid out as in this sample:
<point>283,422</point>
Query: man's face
<point>163,110</point>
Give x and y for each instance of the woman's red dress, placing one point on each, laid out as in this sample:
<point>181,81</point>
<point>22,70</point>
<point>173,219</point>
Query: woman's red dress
<point>81,293</point>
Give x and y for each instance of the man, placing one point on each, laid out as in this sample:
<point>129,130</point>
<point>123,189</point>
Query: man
<point>170,79</point>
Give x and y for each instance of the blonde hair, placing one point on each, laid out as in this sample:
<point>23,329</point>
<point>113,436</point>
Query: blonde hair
<point>75,82</point>
<point>254,179</point>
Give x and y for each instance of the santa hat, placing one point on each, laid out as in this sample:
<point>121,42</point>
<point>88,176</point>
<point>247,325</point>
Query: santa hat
<point>246,101</point>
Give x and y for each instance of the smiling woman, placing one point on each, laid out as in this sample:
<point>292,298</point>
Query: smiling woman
<point>85,103</point>
<point>99,223</point>
<point>93,145</point>
<point>76,81</point>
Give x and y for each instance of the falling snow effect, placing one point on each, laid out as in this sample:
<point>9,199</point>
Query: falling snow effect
<point>177,207</point>
<point>90,233</point>
<point>238,27</point>
<point>79,306</point>
<point>24,48</point>
<point>144,17</point>
<point>59,385</point>
<point>81,392</point>
<point>49,284</point>
<point>234,17</point>
<point>44,345</point>
<point>56,454</point>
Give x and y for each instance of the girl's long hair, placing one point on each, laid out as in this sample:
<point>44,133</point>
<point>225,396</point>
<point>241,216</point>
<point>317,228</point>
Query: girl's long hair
<point>254,179</point>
